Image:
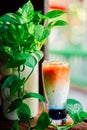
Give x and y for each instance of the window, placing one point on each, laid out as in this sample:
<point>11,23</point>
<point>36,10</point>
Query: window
<point>69,42</point>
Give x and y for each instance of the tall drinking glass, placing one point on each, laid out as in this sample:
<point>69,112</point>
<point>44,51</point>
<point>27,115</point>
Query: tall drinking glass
<point>56,81</point>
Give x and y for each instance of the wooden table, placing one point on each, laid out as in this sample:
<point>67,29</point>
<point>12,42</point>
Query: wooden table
<point>6,124</point>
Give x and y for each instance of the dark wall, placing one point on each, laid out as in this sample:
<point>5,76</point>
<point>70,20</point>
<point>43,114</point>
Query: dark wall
<point>13,5</point>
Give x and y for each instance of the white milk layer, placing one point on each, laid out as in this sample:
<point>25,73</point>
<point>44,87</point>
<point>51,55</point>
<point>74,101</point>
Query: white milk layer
<point>57,95</point>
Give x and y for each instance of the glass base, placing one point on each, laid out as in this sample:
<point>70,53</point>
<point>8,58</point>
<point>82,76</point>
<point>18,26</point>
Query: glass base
<point>57,114</point>
<point>59,122</point>
<point>66,121</point>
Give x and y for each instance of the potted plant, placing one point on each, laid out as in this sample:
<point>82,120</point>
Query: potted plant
<point>22,35</point>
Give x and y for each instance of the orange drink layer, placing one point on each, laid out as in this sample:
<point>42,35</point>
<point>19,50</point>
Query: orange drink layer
<point>55,72</point>
<point>56,81</point>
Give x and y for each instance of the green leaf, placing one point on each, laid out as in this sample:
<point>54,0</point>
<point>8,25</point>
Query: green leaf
<point>16,61</point>
<point>38,17</point>
<point>26,12</point>
<point>54,13</point>
<point>22,58</point>
<point>3,28</point>
<point>7,50</point>
<point>27,9</point>
<point>15,125</point>
<point>41,33</point>
<point>14,35</point>
<point>83,115</point>
<point>16,87</point>
<point>57,23</point>
<point>38,32</point>
<point>31,26</point>
<point>31,61</point>
<point>14,83</point>
<point>34,95</point>
<point>43,121</point>
<point>22,33</point>
<point>14,105</point>
<point>9,18</point>
<point>41,16</point>
<point>10,80</point>
<point>45,33</point>
<point>74,107</point>
<point>23,112</point>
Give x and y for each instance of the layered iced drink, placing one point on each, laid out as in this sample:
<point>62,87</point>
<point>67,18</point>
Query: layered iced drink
<point>56,81</point>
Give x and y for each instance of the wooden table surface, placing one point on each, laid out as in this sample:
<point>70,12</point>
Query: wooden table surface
<point>6,124</point>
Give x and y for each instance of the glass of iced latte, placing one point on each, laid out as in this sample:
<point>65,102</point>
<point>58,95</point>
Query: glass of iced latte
<point>56,82</point>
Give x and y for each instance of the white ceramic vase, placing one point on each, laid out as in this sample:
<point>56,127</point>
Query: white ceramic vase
<point>31,86</point>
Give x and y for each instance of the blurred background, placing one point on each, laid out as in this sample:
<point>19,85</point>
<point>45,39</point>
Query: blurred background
<point>69,43</point>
